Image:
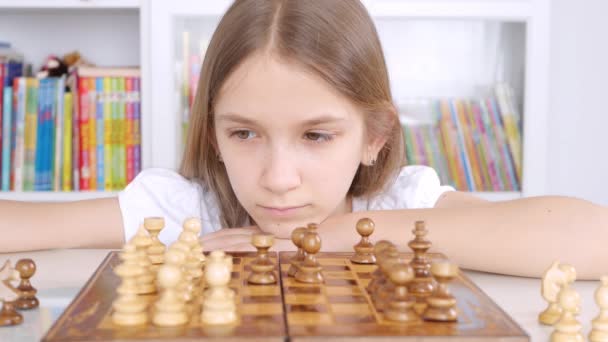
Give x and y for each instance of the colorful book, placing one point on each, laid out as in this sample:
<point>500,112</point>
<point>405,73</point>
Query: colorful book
<point>7,122</point>
<point>99,133</point>
<point>107,140</point>
<point>68,112</point>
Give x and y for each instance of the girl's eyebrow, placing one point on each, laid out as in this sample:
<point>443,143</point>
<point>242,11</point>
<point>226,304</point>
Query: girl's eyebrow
<point>322,119</point>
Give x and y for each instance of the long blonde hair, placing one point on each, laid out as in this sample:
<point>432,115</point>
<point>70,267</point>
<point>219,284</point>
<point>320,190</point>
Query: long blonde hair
<point>334,39</point>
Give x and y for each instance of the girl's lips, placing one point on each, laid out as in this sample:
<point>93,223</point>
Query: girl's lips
<point>282,211</point>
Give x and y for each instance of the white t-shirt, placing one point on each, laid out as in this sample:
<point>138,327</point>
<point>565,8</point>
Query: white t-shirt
<point>165,193</point>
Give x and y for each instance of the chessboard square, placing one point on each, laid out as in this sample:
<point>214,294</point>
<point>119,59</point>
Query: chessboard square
<point>309,318</point>
<point>364,275</point>
<point>347,299</point>
<point>285,267</point>
<point>351,308</point>
<point>261,299</point>
<point>261,309</point>
<point>354,319</point>
<point>336,268</point>
<point>292,282</point>
<point>305,307</point>
<point>342,291</point>
<point>260,290</point>
<point>303,289</point>
<point>361,268</point>
<point>340,282</point>
<point>304,299</point>
<point>337,274</point>
<point>331,261</point>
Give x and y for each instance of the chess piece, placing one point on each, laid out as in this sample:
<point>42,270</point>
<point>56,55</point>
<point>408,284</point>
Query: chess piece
<point>262,268</point>
<point>180,258</point>
<point>441,304</point>
<point>400,306</point>
<point>221,257</point>
<point>193,262</point>
<point>568,329</point>
<point>296,237</point>
<point>219,305</point>
<point>599,325</point>
<point>170,308</point>
<point>129,309</point>
<point>310,269</point>
<point>8,295</point>
<point>554,278</point>
<point>423,283</point>
<point>364,249</point>
<point>193,224</point>
<point>146,281</point>
<point>312,227</point>
<point>27,293</point>
<point>156,251</point>
<point>376,275</point>
<point>384,287</point>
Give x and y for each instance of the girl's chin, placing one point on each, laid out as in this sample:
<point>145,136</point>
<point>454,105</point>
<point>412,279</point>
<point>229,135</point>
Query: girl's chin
<point>280,231</point>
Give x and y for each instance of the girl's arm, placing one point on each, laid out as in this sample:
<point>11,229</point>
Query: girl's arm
<point>82,224</point>
<point>520,237</point>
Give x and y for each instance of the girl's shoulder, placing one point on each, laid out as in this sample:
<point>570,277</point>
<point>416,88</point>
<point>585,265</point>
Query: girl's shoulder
<point>416,186</point>
<point>166,193</point>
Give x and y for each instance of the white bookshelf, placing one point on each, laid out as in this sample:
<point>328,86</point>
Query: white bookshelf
<point>49,196</point>
<point>148,29</point>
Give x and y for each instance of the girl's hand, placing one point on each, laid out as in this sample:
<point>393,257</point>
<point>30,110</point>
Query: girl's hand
<point>239,239</point>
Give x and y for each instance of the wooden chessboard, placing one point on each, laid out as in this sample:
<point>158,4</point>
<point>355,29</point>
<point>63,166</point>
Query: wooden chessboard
<point>290,310</point>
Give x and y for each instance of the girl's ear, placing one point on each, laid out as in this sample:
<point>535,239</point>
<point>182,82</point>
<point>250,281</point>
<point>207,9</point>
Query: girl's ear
<point>371,150</point>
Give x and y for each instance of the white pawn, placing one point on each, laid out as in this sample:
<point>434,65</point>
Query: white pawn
<point>193,225</point>
<point>186,287</point>
<point>568,329</point>
<point>145,282</point>
<point>193,262</point>
<point>219,305</point>
<point>129,309</point>
<point>599,325</point>
<point>170,308</point>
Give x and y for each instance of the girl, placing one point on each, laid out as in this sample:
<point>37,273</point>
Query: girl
<point>294,123</point>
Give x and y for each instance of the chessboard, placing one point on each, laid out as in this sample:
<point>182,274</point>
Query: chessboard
<point>339,308</point>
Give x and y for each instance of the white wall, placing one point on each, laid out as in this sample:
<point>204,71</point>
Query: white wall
<point>578,117</point>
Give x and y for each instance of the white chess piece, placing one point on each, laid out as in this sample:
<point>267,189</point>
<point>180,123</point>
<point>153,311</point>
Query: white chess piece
<point>599,325</point>
<point>556,276</point>
<point>219,305</point>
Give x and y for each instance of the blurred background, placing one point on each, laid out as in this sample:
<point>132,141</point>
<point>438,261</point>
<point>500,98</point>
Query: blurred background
<point>504,98</point>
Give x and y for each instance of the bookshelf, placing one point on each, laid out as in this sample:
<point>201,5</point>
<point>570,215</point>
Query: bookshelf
<point>153,31</point>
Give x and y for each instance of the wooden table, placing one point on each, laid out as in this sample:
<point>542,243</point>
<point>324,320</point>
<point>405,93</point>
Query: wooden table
<point>61,273</point>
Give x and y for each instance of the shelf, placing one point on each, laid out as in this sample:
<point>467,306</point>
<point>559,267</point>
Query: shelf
<point>70,4</point>
<point>498,196</point>
<point>52,196</point>
<point>508,10</point>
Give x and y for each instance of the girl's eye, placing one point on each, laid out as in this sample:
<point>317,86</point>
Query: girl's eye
<point>318,137</point>
<point>243,134</point>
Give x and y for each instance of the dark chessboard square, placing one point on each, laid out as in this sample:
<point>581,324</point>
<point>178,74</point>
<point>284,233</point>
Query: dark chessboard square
<point>347,299</point>
<point>304,290</point>
<point>261,299</point>
<point>234,275</point>
<point>354,319</point>
<point>236,261</point>
<point>364,275</point>
<point>257,319</point>
<point>305,307</point>
<point>340,282</point>
<point>332,268</point>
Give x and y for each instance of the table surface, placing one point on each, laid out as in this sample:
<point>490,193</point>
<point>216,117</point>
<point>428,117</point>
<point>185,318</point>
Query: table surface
<point>61,273</point>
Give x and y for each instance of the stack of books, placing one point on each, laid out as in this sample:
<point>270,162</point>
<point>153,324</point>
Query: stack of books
<point>69,133</point>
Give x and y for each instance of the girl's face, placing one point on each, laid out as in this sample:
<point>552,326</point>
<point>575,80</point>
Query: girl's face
<point>290,143</point>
